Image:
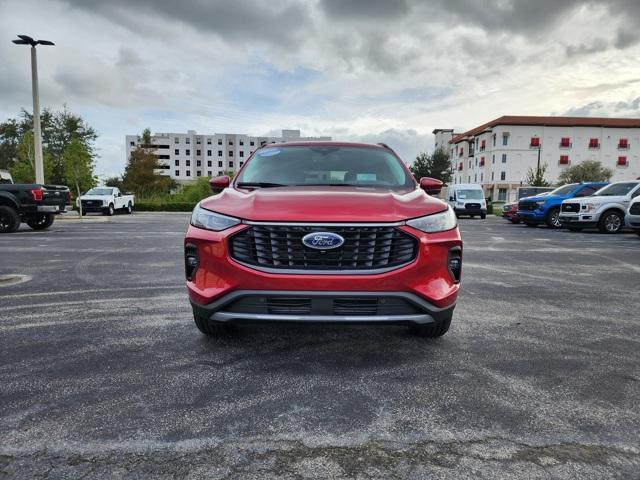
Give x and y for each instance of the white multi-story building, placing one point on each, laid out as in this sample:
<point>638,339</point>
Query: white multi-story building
<point>499,153</point>
<point>186,156</point>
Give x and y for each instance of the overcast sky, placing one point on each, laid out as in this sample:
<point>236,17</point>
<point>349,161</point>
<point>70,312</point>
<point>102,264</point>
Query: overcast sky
<point>372,70</point>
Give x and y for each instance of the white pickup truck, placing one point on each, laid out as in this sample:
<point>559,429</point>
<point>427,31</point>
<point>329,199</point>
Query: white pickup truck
<point>105,200</point>
<point>604,210</point>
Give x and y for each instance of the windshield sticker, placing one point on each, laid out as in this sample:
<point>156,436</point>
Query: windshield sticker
<point>269,153</point>
<point>366,177</point>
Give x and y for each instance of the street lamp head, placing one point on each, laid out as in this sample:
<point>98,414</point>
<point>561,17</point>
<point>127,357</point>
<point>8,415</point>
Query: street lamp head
<point>27,40</point>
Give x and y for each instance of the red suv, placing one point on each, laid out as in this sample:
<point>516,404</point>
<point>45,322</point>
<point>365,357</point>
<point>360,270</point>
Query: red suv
<point>324,232</point>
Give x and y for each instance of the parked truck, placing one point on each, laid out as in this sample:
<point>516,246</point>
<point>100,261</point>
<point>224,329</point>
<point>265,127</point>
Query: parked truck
<point>545,209</point>
<point>605,210</point>
<point>106,200</point>
<point>31,203</point>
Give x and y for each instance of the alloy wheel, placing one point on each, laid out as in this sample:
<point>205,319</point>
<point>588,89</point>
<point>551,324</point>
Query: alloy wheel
<point>612,223</point>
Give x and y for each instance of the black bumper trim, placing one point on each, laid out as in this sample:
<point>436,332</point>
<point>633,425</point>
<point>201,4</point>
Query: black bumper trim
<point>428,313</point>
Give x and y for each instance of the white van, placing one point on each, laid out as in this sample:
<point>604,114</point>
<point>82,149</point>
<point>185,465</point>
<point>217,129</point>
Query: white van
<point>467,199</point>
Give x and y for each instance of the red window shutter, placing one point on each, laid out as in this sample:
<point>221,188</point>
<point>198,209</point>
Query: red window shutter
<point>483,144</point>
<point>535,141</point>
<point>564,159</point>
<point>593,143</point>
<point>482,161</point>
<point>565,141</point>
<point>622,161</point>
<point>623,143</point>
<point>461,151</point>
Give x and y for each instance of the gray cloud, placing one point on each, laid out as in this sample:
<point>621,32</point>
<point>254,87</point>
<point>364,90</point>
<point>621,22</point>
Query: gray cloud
<point>596,46</point>
<point>365,9</point>
<point>280,22</point>
<point>629,108</point>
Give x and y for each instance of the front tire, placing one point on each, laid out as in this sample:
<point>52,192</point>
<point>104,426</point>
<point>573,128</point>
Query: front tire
<point>553,218</point>
<point>611,221</point>
<point>210,327</point>
<point>431,330</point>
<point>9,220</point>
<point>129,209</point>
<point>110,210</point>
<point>41,222</point>
<point>483,216</point>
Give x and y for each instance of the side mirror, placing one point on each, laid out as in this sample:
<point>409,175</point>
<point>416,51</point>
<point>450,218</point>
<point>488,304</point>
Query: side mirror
<point>219,183</point>
<point>452,198</point>
<point>431,185</point>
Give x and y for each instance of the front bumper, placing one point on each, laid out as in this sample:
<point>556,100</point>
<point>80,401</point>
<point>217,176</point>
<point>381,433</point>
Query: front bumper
<point>325,307</point>
<point>425,284</point>
<point>469,211</point>
<point>531,216</point>
<point>632,221</point>
<point>578,220</point>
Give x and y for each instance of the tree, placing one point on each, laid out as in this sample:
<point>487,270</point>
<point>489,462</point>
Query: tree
<point>140,174</point>
<point>78,167</point>
<point>114,182</point>
<point>23,168</point>
<point>535,177</point>
<point>587,171</point>
<point>434,166</point>
<point>58,129</point>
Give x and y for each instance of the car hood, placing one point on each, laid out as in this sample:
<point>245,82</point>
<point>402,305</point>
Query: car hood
<point>320,204</point>
<point>597,200</point>
<point>539,198</point>
<point>95,197</point>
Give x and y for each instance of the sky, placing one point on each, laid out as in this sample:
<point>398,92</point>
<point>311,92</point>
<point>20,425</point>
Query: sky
<point>359,70</point>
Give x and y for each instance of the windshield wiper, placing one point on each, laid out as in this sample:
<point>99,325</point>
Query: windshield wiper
<point>260,184</point>
<point>330,185</point>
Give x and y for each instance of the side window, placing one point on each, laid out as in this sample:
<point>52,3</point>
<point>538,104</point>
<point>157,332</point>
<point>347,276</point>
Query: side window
<point>636,193</point>
<point>585,192</point>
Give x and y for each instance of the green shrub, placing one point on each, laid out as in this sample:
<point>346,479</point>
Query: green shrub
<point>164,206</point>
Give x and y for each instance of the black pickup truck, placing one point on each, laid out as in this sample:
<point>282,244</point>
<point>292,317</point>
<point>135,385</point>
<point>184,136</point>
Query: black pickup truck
<point>31,203</point>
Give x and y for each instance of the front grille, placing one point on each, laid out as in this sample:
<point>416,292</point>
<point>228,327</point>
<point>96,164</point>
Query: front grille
<point>527,206</point>
<point>472,206</point>
<point>91,203</point>
<point>322,305</point>
<point>288,305</point>
<point>364,248</point>
<point>571,207</point>
<point>635,209</point>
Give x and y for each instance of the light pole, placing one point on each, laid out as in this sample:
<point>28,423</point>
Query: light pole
<point>37,138</point>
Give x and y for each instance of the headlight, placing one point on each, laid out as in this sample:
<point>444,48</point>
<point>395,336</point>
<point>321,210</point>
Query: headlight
<point>589,207</point>
<point>105,202</point>
<point>438,222</point>
<point>208,220</point>
<point>540,203</point>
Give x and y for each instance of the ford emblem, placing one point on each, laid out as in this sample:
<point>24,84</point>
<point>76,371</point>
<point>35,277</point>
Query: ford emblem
<point>322,240</point>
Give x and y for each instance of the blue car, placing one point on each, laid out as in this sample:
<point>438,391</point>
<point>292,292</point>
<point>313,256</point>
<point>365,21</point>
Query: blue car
<point>545,209</point>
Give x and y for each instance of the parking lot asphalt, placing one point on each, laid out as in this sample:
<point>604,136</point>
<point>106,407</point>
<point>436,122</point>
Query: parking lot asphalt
<point>103,373</point>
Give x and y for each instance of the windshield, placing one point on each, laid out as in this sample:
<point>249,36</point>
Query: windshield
<point>616,189</point>
<point>100,191</point>
<point>564,190</point>
<point>470,195</point>
<point>330,165</point>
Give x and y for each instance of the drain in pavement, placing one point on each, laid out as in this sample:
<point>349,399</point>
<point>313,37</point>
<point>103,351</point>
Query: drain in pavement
<point>13,279</point>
